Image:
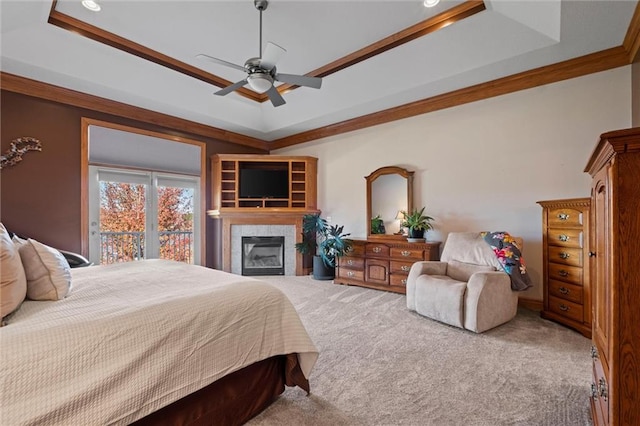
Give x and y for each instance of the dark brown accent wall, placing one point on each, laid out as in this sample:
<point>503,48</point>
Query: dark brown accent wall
<point>40,196</point>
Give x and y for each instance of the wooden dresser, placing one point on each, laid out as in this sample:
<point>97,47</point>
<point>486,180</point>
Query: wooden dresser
<point>565,237</point>
<point>382,264</point>
<point>615,278</point>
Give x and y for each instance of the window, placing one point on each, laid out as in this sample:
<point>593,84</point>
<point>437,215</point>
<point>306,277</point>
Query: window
<point>136,215</point>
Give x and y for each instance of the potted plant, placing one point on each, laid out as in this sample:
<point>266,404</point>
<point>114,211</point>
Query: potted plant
<point>325,242</point>
<point>417,223</point>
<point>377,225</point>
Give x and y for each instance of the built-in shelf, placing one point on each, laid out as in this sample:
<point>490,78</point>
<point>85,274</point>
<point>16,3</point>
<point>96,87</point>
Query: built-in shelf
<point>226,182</point>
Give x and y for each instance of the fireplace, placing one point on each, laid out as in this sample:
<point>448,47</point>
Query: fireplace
<point>263,255</point>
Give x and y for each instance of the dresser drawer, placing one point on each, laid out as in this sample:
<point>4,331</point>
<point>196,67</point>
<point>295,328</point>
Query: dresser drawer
<point>377,250</point>
<point>400,267</point>
<point>350,274</point>
<point>398,280</point>
<point>565,255</point>
<point>570,274</point>
<point>565,308</point>
<point>564,217</point>
<point>356,250</point>
<point>407,253</point>
<point>570,292</point>
<point>351,262</point>
<point>565,237</point>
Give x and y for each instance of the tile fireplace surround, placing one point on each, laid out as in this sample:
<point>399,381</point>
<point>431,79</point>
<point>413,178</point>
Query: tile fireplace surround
<point>265,224</point>
<point>286,231</point>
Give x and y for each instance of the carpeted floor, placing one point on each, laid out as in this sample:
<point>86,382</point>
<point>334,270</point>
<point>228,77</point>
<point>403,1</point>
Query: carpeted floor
<point>381,364</point>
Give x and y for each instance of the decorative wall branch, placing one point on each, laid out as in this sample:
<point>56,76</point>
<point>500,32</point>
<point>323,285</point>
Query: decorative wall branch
<point>17,148</point>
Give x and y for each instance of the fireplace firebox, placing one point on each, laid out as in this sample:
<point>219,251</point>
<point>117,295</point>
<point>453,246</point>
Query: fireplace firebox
<point>263,255</point>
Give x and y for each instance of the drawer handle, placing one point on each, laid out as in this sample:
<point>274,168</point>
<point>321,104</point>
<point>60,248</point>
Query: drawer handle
<point>564,308</point>
<point>563,237</point>
<point>563,290</point>
<point>406,253</point>
<point>404,281</point>
<point>563,216</point>
<point>405,268</point>
<point>563,273</point>
<point>377,249</point>
<point>350,262</point>
<point>350,274</point>
<point>563,255</point>
<point>594,391</point>
<point>602,386</point>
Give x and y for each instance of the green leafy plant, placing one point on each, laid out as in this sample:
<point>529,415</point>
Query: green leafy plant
<point>416,220</point>
<point>322,239</point>
<point>377,225</point>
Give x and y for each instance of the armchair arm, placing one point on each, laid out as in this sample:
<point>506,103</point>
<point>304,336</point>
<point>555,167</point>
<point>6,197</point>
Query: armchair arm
<point>489,301</point>
<point>428,267</point>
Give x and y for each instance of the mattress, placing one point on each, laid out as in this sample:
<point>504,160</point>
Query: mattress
<point>134,337</point>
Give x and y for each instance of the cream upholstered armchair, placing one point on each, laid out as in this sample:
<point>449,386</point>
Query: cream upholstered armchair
<point>467,288</point>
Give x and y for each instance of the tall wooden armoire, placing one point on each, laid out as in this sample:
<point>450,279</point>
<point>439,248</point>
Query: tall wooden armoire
<point>615,277</point>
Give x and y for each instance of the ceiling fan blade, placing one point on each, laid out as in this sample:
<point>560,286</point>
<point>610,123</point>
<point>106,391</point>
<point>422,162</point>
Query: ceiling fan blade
<point>271,55</point>
<point>231,88</point>
<point>300,80</point>
<point>220,62</point>
<point>275,97</point>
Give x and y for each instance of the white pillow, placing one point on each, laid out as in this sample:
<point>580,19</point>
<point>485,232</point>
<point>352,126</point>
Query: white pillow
<point>48,272</point>
<point>13,284</point>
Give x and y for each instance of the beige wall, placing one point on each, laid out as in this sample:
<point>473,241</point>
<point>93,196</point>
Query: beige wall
<point>635,94</point>
<point>481,166</point>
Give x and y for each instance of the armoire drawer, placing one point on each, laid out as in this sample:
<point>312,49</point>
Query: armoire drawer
<point>564,217</point>
<point>570,292</point>
<point>570,274</point>
<point>565,237</point>
<point>565,255</point>
<point>565,308</point>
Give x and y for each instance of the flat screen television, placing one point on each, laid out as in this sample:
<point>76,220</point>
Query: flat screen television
<point>264,183</point>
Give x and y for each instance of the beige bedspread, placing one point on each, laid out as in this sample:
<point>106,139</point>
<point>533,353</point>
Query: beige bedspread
<point>134,337</point>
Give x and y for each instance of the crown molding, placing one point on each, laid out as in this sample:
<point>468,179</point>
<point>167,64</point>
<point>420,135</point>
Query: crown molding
<point>25,86</point>
<point>595,62</point>
<point>632,39</point>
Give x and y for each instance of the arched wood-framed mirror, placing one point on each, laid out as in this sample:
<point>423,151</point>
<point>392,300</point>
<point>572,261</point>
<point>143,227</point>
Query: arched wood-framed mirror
<point>389,190</point>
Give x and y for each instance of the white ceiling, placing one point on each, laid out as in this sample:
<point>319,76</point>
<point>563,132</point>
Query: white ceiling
<point>510,36</point>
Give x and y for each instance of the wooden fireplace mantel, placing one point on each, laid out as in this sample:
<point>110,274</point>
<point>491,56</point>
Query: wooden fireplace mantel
<point>257,216</point>
<point>233,208</point>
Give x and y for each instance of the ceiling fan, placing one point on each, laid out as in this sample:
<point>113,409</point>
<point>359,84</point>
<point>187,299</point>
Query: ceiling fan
<point>261,71</point>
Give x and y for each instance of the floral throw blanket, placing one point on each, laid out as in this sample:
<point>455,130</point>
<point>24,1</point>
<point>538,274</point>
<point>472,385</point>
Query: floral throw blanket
<point>509,256</point>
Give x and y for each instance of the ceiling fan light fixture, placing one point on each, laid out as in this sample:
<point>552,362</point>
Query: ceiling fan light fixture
<point>431,3</point>
<point>91,5</point>
<point>260,82</point>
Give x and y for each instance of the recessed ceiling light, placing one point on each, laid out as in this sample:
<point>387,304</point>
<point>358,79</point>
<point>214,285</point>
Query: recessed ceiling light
<point>93,6</point>
<point>430,3</point>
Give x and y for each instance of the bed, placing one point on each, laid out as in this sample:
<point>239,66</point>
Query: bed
<point>152,342</point>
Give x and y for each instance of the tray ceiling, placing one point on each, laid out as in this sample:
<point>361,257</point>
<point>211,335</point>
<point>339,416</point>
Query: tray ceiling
<point>491,40</point>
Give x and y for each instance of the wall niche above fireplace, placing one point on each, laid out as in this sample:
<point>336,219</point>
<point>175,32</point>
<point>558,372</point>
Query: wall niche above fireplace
<point>244,181</point>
